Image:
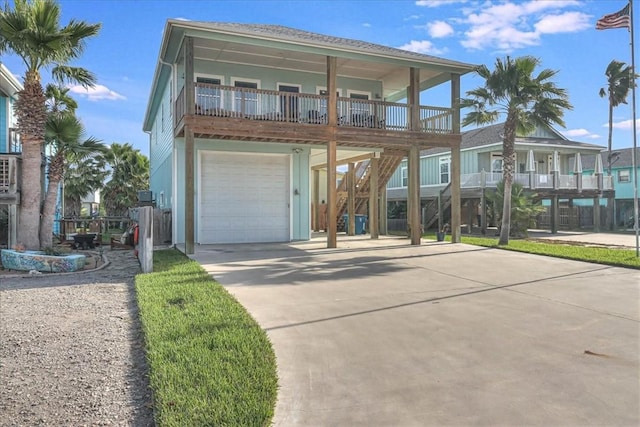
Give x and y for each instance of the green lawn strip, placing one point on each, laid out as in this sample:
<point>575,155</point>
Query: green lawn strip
<point>209,361</point>
<point>617,257</point>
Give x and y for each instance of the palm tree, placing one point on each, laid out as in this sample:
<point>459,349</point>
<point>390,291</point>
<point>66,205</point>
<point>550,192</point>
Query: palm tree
<point>618,86</point>
<point>129,174</point>
<point>526,100</point>
<point>82,177</point>
<point>64,133</point>
<point>59,100</point>
<point>32,31</point>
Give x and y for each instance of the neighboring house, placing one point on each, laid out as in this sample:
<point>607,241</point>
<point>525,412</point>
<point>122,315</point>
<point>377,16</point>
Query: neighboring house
<point>622,178</point>
<point>243,118</point>
<point>545,164</point>
<point>10,149</point>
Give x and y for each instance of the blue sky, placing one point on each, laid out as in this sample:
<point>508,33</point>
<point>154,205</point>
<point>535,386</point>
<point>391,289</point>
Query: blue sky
<point>560,33</point>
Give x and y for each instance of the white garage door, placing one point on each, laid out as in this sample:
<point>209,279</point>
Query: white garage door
<point>243,198</point>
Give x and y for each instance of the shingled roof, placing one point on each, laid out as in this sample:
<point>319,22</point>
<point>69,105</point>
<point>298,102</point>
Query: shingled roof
<point>624,159</point>
<point>492,134</point>
<point>288,34</point>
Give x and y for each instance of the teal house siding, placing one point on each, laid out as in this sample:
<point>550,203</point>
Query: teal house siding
<point>4,127</point>
<point>161,151</point>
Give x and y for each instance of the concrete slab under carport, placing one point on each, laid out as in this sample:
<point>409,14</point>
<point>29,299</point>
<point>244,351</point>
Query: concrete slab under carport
<point>380,333</point>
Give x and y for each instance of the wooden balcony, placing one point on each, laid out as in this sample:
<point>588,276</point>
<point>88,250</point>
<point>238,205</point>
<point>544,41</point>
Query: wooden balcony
<point>10,179</point>
<point>226,112</point>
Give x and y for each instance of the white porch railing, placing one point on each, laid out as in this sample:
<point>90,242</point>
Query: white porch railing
<point>542,181</point>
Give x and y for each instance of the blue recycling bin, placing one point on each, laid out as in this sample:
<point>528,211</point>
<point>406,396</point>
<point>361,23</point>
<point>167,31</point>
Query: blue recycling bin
<point>361,222</point>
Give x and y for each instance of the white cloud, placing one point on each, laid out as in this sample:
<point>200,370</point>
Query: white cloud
<point>568,22</point>
<point>580,133</point>
<point>366,25</point>
<point>437,3</point>
<point>422,46</point>
<point>412,17</point>
<point>509,25</point>
<point>97,93</point>
<point>624,124</point>
<point>439,29</point>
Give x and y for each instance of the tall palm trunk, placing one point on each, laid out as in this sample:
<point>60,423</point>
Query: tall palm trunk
<point>56,170</point>
<point>508,169</point>
<point>31,114</point>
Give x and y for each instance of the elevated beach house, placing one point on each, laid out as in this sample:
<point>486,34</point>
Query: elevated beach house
<point>10,149</point>
<point>244,118</point>
<point>548,164</point>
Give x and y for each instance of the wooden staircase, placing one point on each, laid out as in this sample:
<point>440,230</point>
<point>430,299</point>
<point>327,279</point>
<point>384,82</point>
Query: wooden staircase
<point>387,165</point>
<point>436,207</point>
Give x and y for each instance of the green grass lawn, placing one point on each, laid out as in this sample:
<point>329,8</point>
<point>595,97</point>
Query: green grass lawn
<point>209,361</point>
<point>618,257</point>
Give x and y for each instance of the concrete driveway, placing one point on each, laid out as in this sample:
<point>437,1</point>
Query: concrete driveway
<point>378,333</point>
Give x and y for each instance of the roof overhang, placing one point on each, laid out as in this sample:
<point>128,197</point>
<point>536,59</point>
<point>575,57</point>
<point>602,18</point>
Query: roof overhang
<point>9,84</point>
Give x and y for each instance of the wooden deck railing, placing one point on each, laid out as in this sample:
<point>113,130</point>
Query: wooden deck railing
<point>259,104</point>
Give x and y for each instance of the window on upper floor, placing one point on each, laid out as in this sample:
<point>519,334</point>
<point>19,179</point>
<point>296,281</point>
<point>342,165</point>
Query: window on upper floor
<point>445,168</point>
<point>496,163</point>
<point>246,101</point>
<point>404,176</point>
<point>624,175</point>
<point>208,96</point>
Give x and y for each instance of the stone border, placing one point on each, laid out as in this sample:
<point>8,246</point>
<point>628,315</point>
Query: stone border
<point>105,263</point>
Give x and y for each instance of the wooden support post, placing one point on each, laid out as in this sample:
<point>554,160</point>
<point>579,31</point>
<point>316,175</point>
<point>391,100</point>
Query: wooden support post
<point>383,220</point>
<point>414,195</point>
<point>373,198</point>
<point>555,214</point>
<point>189,191</point>
<point>456,202</point>
<point>351,200</point>
<point>332,120</point>
<point>332,197</point>
<point>483,215</point>
<point>596,214</point>
<point>189,152</point>
<point>316,200</point>
<point>413,199</point>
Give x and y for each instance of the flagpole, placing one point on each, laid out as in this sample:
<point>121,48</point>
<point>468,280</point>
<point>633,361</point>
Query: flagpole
<point>634,156</point>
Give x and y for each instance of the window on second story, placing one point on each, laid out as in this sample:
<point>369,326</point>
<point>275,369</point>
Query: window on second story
<point>246,101</point>
<point>404,176</point>
<point>624,175</point>
<point>445,167</point>
<point>496,163</point>
<point>208,96</point>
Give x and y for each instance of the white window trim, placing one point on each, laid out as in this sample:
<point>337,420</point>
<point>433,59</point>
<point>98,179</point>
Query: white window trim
<point>243,79</point>
<point>492,157</point>
<point>212,76</point>
<point>299,86</point>
<point>444,160</point>
<point>628,175</point>
<point>358,92</point>
<point>404,176</point>
<point>246,80</point>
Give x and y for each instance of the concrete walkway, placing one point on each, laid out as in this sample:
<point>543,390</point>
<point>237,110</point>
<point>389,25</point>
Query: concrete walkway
<point>379,333</point>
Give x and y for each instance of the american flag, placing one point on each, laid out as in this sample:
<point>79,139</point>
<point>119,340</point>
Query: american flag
<point>620,19</point>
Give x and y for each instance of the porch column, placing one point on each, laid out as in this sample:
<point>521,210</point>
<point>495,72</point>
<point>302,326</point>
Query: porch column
<point>189,157</point>
<point>351,199</point>
<point>316,200</point>
<point>413,197</point>
<point>373,198</point>
<point>456,202</point>
<point>555,214</point>
<point>383,220</point>
<point>332,116</point>
<point>596,214</point>
<point>483,214</point>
